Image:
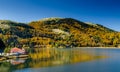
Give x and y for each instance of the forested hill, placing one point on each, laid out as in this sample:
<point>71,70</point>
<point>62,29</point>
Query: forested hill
<point>66,22</point>
<point>57,32</point>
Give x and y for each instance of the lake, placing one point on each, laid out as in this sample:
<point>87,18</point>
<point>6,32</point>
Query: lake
<point>65,60</point>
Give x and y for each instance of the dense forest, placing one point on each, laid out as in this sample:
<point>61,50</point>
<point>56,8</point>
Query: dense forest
<point>57,33</point>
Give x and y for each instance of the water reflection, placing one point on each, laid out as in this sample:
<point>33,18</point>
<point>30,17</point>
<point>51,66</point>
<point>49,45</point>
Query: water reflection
<point>16,61</point>
<point>49,57</point>
<point>10,65</point>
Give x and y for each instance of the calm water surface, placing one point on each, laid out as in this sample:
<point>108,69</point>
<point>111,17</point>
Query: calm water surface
<point>65,60</point>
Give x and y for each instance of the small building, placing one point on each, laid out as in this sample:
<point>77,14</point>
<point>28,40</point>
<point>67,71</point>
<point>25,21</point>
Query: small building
<point>17,50</point>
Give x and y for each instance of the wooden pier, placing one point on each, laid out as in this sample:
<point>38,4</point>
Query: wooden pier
<point>6,56</point>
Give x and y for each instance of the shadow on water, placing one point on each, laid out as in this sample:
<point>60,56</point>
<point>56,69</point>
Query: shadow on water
<point>39,58</point>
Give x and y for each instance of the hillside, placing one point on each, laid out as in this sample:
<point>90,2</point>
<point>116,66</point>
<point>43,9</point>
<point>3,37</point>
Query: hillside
<point>80,34</point>
<point>57,32</point>
<point>11,32</point>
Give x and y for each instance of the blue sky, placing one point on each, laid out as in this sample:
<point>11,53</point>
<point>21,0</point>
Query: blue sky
<point>105,12</point>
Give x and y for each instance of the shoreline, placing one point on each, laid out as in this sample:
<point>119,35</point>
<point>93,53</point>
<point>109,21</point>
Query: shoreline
<point>101,47</point>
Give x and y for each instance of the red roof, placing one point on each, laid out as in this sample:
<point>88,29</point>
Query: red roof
<point>17,50</point>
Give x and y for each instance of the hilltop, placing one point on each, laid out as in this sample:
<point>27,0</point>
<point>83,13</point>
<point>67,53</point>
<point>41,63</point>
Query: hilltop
<point>58,32</point>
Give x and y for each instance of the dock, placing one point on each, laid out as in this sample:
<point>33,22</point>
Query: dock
<point>5,56</point>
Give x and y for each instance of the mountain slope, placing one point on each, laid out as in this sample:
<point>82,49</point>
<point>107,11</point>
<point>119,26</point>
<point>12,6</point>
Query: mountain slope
<point>57,32</point>
<point>12,32</point>
<point>81,34</point>
<point>14,28</point>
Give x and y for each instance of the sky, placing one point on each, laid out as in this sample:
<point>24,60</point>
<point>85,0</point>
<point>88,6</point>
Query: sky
<point>104,12</point>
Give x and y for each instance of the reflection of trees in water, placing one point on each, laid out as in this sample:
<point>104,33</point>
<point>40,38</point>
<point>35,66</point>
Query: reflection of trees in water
<point>4,67</point>
<point>53,57</point>
<point>12,64</point>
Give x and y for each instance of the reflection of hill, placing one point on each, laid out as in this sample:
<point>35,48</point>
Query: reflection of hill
<point>54,57</point>
<point>49,57</point>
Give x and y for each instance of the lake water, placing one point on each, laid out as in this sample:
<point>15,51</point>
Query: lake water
<point>65,60</point>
